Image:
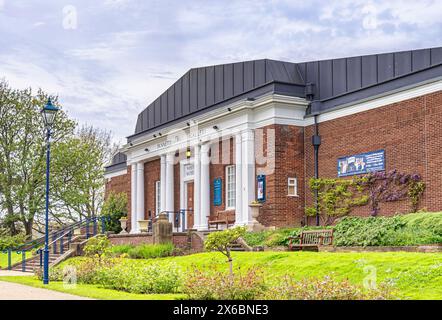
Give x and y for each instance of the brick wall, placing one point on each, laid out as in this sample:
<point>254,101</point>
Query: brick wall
<point>151,175</point>
<point>410,132</point>
<point>279,209</point>
<point>179,240</point>
<point>218,170</point>
<point>120,184</point>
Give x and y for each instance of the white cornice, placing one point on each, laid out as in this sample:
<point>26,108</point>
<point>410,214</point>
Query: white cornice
<point>202,119</point>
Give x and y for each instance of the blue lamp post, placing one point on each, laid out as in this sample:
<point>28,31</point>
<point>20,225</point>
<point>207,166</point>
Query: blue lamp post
<point>48,112</point>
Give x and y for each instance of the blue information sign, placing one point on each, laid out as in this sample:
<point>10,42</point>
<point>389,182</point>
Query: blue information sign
<point>361,163</point>
<point>217,192</point>
<point>261,188</point>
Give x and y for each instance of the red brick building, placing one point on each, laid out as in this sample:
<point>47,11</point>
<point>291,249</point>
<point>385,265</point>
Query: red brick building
<point>224,136</point>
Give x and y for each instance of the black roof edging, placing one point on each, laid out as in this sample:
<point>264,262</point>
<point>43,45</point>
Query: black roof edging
<point>430,74</point>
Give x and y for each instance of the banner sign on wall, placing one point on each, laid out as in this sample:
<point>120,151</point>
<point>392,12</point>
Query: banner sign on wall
<point>217,192</point>
<point>361,163</point>
<point>261,188</point>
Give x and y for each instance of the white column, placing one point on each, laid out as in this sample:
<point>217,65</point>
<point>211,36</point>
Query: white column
<point>133,198</point>
<point>197,188</point>
<point>205,186</point>
<point>140,193</point>
<point>163,183</point>
<point>248,173</point>
<point>238,180</point>
<point>182,198</point>
<point>169,186</point>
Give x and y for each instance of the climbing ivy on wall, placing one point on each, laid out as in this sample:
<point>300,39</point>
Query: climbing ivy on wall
<point>337,197</point>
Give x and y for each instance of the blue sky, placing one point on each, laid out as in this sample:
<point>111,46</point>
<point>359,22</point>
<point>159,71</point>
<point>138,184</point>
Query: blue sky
<point>108,59</point>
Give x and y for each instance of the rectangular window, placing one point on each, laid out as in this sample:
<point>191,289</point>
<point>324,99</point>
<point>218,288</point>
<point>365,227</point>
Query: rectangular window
<point>230,187</point>
<point>157,197</point>
<point>292,184</point>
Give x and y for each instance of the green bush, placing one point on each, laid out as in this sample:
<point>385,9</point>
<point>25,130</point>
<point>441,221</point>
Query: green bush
<point>121,249</point>
<point>121,274</point>
<point>148,251</point>
<point>115,207</point>
<point>152,278</point>
<point>400,230</point>
<point>431,221</point>
<point>97,246</point>
<point>12,241</point>
<point>143,251</point>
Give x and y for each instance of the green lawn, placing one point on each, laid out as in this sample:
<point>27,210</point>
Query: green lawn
<point>90,291</point>
<point>15,257</point>
<point>415,275</point>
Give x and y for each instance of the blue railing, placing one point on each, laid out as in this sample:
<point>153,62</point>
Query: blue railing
<point>58,239</point>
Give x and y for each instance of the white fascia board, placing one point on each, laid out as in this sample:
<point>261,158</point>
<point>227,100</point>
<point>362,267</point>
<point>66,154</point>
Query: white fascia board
<point>115,174</point>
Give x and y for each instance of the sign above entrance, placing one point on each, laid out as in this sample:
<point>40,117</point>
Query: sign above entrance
<point>361,163</point>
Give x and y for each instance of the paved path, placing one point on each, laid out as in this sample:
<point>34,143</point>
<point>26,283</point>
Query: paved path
<point>6,273</point>
<point>15,291</point>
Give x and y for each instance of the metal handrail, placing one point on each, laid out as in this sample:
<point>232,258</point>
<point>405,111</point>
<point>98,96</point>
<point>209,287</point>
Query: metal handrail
<point>28,246</point>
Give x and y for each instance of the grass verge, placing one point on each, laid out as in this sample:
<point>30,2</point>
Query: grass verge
<point>414,275</point>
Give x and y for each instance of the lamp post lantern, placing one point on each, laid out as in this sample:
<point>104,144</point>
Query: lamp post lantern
<point>48,112</point>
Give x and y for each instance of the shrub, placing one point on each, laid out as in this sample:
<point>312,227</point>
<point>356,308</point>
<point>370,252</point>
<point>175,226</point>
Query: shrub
<point>124,275</point>
<point>115,207</point>
<point>97,246</point>
<point>152,278</point>
<point>431,221</point>
<point>400,230</point>
<point>256,238</point>
<point>12,241</point>
<point>121,249</point>
<point>326,288</point>
<point>372,231</point>
<point>217,285</point>
<point>148,251</point>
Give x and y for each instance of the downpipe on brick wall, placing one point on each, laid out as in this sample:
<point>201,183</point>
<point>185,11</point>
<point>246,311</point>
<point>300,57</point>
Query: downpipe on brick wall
<point>316,142</point>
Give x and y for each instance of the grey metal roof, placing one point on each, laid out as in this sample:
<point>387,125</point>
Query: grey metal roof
<point>333,82</point>
<point>201,89</point>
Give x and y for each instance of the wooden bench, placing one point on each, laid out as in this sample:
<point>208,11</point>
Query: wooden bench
<point>220,218</point>
<point>311,239</point>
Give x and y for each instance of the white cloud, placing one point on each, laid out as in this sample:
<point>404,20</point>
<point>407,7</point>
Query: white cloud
<point>125,53</point>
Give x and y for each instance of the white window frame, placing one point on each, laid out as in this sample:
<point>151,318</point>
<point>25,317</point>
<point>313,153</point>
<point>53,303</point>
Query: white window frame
<point>292,182</point>
<point>228,184</point>
<point>157,197</point>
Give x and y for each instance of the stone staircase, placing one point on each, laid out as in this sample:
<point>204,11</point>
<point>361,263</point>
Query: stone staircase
<point>33,263</point>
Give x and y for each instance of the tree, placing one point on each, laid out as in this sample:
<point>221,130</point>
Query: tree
<point>114,207</point>
<point>79,173</point>
<point>222,240</point>
<point>22,154</point>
